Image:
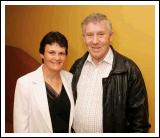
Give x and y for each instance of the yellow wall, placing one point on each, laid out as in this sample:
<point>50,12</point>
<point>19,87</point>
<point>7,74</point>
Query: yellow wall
<point>133,28</point>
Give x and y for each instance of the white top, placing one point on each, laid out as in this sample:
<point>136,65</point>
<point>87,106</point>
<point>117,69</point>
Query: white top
<point>88,109</point>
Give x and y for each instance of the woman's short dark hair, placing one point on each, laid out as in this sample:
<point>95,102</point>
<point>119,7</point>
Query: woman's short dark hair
<point>53,37</point>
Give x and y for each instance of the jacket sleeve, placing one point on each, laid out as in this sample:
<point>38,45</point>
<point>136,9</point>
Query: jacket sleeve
<point>21,108</point>
<point>137,106</point>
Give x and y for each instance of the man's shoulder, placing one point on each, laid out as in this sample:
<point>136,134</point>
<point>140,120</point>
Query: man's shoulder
<point>81,60</point>
<point>129,61</point>
<point>78,63</point>
<point>125,62</point>
<point>124,58</point>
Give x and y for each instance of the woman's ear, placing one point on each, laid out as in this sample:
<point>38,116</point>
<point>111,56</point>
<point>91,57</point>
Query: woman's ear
<point>42,56</point>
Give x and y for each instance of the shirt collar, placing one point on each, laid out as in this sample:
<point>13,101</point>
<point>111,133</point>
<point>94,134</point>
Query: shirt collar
<point>107,59</point>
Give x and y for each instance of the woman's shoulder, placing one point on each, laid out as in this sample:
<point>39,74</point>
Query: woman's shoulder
<point>66,73</point>
<point>28,76</point>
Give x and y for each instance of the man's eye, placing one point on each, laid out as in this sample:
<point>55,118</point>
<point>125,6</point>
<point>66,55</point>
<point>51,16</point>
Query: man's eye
<point>89,34</point>
<point>101,34</point>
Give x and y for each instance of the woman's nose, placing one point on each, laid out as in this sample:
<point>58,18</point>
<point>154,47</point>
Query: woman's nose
<point>57,56</point>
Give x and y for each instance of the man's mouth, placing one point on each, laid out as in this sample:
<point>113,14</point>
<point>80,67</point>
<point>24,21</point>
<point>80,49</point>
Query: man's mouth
<point>96,49</point>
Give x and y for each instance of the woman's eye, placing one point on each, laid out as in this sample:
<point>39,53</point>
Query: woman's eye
<point>52,53</point>
<point>62,54</point>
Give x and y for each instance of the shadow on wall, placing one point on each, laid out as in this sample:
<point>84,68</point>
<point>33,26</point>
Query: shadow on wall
<point>17,63</point>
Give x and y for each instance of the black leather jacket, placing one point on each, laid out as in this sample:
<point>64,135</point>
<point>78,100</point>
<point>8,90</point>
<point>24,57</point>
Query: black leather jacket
<point>125,103</point>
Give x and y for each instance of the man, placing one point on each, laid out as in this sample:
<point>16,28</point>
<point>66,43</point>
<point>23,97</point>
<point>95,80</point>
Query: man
<point>108,88</point>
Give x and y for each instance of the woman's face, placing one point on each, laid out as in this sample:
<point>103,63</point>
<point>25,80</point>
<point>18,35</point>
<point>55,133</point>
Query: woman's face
<point>54,56</point>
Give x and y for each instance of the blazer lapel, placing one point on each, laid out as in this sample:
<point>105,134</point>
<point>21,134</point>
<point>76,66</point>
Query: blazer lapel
<point>40,96</point>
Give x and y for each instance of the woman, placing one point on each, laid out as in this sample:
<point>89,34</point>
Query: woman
<point>43,98</point>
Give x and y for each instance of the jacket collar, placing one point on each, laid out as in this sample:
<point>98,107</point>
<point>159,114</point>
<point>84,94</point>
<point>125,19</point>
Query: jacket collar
<point>118,62</point>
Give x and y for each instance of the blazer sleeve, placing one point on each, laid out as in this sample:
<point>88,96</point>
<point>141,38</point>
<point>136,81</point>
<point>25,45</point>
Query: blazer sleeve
<point>21,107</point>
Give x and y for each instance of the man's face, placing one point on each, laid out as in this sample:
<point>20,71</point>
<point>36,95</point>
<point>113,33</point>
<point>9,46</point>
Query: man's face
<point>97,38</point>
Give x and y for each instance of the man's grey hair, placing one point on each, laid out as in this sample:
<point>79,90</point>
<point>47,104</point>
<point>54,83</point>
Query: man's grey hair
<point>96,17</point>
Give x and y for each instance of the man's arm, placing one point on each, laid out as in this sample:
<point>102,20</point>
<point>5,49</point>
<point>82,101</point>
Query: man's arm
<point>137,103</point>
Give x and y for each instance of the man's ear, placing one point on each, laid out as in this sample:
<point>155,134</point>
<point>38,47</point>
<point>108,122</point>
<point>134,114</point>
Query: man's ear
<point>111,37</point>
<point>83,36</point>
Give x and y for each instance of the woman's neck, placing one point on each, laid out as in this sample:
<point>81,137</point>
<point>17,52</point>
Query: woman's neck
<point>52,78</point>
<point>50,75</point>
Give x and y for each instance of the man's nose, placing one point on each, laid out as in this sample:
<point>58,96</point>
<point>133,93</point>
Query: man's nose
<point>95,39</point>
